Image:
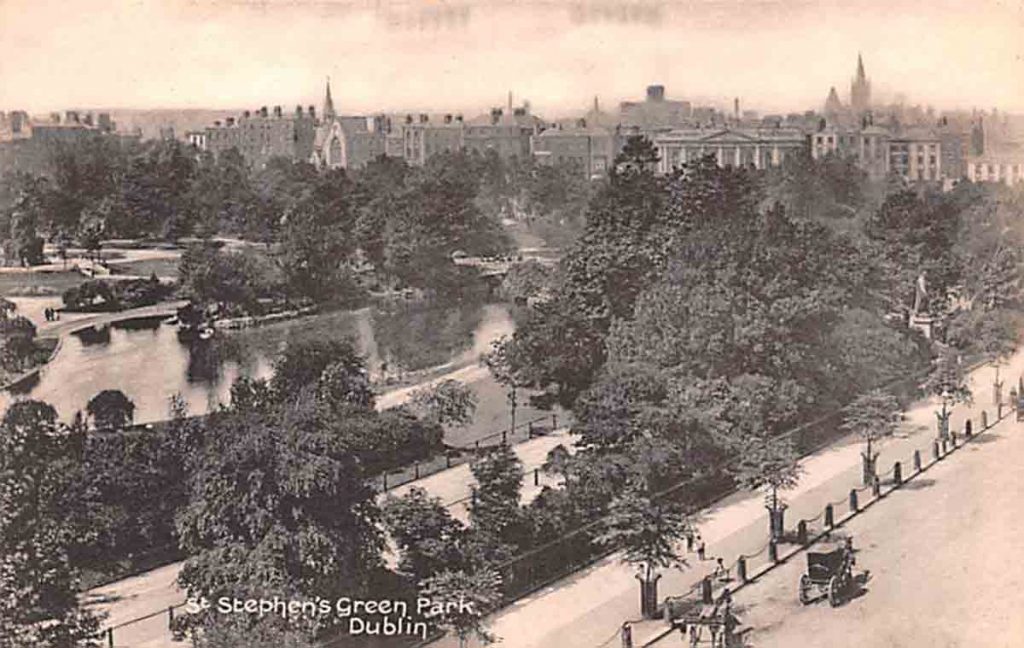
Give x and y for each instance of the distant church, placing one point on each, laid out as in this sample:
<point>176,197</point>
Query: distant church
<point>860,90</point>
<point>860,98</point>
<point>347,141</point>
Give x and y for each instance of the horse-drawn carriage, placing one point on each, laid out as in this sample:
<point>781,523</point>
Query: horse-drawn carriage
<point>712,624</point>
<point>829,572</point>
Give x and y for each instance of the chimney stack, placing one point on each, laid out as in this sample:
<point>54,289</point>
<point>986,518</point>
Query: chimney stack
<point>655,93</point>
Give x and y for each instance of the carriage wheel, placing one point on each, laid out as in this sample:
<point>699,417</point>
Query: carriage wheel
<point>805,588</point>
<point>833,591</point>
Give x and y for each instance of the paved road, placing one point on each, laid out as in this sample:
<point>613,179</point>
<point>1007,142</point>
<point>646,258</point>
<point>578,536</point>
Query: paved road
<point>587,609</point>
<point>944,556</point>
<point>70,322</point>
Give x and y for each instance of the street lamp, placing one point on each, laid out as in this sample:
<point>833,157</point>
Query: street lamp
<point>513,402</point>
<point>943,416</point>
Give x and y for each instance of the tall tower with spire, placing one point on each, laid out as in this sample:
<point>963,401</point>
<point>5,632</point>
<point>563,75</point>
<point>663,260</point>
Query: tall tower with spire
<point>860,90</point>
<point>328,112</point>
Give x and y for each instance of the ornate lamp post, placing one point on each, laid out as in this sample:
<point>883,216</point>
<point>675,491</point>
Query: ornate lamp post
<point>943,415</point>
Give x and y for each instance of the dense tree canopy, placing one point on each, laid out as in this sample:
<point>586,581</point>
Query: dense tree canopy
<point>38,468</point>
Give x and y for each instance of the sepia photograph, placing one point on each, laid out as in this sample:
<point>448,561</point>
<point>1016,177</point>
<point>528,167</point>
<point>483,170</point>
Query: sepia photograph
<point>513,323</point>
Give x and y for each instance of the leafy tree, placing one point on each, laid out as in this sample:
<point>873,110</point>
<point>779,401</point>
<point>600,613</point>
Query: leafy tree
<point>557,460</point>
<point>222,193</point>
<point>91,239</point>
<point>317,240</point>
<point>132,485</point>
<point>526,280</point>
<point>17,341</point>
<point>649,534</point>
<point>499,477</point>
<point>449,402</point>
<point>386,440</point>
<point>155,191</point>
<point>230,632</point>
<point>992,333</point>
<point>278,506</point>
<point>828,190</point>
<point>233,281</point>
<point>111,409</point>
<point>23,215</point>
<point>28,245</point>
<point>427,536</point>
<point>500,361</point>
<point>948,382</point>
<point>345,384</point>
<point>917,236</point>
<point>38,586</point>
<point>771,464</point>
<point>467,598</point>
<point>863,351</point>
<point>303,364</point>
<point>873,416</point>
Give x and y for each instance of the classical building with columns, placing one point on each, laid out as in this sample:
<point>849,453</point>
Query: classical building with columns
<point>736,147</point>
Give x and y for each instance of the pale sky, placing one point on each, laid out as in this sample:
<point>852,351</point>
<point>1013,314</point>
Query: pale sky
<point>465,55</point>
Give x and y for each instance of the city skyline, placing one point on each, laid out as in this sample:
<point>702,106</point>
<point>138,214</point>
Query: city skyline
<point>446,56</point>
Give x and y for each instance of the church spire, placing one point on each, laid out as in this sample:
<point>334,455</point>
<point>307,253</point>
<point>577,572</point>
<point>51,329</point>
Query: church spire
<point>328,102</point>
<point>860,89</point>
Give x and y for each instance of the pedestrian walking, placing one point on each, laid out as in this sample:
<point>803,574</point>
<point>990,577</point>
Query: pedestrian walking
<point>700,550</point>
<point>689,541</point>
<point>721,573</point>
<point>48,314</point>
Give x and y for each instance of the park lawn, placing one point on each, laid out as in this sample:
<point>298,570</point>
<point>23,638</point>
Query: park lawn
<point>38,283</point>
<point>492,415</point>
<point>147,267</point>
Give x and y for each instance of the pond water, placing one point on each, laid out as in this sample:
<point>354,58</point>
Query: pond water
<point>145,359</point>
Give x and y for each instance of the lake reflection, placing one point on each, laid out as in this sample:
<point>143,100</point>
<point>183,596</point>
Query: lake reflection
<point>145,359</point>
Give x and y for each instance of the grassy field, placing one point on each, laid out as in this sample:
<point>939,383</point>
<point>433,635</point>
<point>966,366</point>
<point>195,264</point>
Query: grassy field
<point>144,268</point>
<point>38,283</point>
<point>492,414</point>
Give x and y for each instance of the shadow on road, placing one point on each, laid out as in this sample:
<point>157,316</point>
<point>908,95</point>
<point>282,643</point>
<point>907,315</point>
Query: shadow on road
<point>986,438</point>
<point>101,599</point>
<point>918,484</point>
